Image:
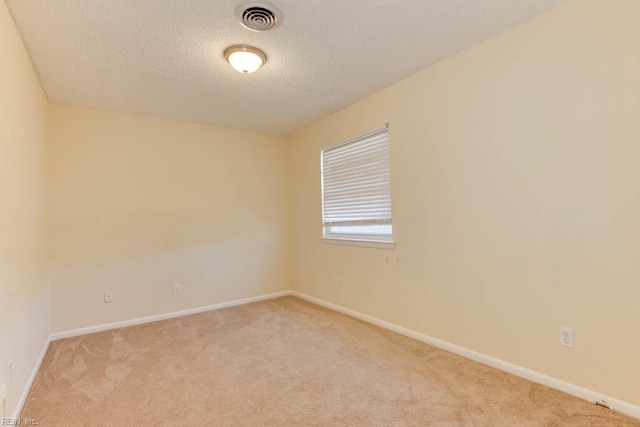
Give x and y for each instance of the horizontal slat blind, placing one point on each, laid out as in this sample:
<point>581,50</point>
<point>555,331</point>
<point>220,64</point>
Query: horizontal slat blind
<point>356,184</point>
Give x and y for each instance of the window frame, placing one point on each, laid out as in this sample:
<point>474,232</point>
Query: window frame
<point>380,241</point>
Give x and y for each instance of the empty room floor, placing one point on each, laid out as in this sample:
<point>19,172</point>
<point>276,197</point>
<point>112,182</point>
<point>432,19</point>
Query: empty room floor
<point>284,362</point>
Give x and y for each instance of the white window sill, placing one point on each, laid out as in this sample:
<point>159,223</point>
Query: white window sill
<point>377,244</point>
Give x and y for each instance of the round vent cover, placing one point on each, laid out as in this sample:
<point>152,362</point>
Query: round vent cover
<point>258,15</point>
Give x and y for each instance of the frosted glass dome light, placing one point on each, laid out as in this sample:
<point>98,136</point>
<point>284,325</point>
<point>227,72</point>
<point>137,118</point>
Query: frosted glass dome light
<point>245,59</point>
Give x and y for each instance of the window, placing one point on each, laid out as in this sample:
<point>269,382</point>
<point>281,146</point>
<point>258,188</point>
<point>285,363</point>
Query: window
<point>356,191</point>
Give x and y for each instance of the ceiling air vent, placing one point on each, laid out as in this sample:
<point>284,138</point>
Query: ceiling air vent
<point>258,15</point>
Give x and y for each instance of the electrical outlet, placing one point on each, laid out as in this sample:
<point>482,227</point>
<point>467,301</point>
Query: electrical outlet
<point>566,337</point>
<point>334,283</point>
<point>108,296</point>
<point>9,371</point>
<point>177,289</point>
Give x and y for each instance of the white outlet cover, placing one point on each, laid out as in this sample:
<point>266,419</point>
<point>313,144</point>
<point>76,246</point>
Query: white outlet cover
<point>108,296</point>
<point>566,337</point>
<point>177,289</point>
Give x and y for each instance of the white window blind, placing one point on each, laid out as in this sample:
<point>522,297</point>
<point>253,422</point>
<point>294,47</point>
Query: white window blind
<point>356,190</point>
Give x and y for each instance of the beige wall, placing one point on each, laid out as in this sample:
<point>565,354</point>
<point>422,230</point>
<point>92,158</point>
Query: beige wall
<point>24,297</point>
<point>516,199</point>
<point>139,204</point>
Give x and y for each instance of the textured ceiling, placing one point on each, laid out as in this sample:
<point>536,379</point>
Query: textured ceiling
<point>164,57</point>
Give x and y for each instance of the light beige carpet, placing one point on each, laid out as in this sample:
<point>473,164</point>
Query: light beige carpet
<point>284,362</point>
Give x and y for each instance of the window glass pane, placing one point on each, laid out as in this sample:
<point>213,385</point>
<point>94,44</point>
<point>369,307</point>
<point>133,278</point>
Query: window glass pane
<point>381,230</point>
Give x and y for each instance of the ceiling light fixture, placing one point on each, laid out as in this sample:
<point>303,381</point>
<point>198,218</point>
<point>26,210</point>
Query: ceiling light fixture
<point>245,59</point>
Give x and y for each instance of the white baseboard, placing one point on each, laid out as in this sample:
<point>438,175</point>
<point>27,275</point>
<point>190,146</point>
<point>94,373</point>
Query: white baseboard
<point>32,378</point>
<point>581,392</point>
<point>115,325</point>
